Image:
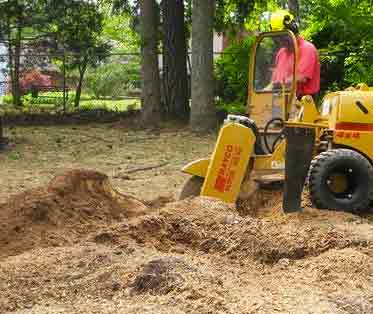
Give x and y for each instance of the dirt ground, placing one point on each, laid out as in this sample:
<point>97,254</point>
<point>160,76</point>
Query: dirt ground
<point>39,153</point>
<point>93,241</point>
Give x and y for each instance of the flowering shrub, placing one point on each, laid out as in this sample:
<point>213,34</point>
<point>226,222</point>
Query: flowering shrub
<point>34,79</point>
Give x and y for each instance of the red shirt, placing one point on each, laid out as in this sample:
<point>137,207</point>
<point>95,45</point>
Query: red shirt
<point>308,67</point>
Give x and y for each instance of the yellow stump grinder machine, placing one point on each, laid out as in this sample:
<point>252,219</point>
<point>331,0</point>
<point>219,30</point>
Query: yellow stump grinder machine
<point>287,140</point>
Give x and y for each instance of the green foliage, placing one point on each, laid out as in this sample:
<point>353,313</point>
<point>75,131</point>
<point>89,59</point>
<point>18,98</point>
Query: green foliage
<point>15,155</point>
<point>231,71</point>
<point>342,32</point>
<point>51,102</point>
<point>236,108</point>
<point>119,28</point>
<point>358,69</point>
<point>7,99</point>
<point>112,79</point>
<point>231,14</point>
<point>111,105</point>
<point>79,32</point>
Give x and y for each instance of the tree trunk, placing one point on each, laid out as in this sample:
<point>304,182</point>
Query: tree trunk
<point>151,91</point>
<point>1,131</point>
<point>11,65</point>
<point>203,112</point>
<point>14,64</point>
<point>82,69</point>
<point>175,77</point>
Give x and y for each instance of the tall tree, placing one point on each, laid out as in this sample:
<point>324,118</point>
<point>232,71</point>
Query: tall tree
<point>17,17</point>
<point>175,79</point>
<point>203,112</point>
<point>78,32</point>
<point>151,89</point>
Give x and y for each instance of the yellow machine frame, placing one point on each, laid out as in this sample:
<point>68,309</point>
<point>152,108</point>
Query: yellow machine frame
<point>259,101</point>
<point>245,139</point>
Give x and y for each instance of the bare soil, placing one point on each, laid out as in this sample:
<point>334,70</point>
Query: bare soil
<point>37,154</point>
<point>113,240</point>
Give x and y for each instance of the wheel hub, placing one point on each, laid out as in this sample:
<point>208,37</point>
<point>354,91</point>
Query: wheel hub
<point>338,183</point>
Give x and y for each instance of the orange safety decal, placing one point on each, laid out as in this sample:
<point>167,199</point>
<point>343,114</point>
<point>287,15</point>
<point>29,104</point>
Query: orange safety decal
<point>226,172</point>
<point>347,135</point>
<point>356,135</point>
<point>352,126</point>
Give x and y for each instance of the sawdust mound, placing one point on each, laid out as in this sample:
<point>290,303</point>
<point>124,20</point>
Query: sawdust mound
<point>262,202</point>
<point>75,201</point>
<point>93,272</point>
<point>214,227</point>
<point>341,266</point>
<point>161,276</point>
<point>63,273</point>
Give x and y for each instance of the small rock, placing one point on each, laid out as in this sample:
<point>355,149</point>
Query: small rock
<point>231,220</point>
<point>75,276</point>
<point>178,250</point>
<point>103,237</point>
<point>115,286</point>
<point>284,262</point>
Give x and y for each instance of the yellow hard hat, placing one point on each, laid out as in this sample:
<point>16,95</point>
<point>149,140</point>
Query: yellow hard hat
<point>281,19</point>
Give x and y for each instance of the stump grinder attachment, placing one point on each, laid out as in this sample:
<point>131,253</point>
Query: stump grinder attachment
<point>300,143</point>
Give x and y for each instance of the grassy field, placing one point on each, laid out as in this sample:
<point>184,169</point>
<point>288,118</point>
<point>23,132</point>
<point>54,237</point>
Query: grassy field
<point>116,105</point>
<point>53,101</point>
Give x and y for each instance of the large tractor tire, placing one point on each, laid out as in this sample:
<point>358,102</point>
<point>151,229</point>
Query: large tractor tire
<point>191,188</point>
<point>340,179</point>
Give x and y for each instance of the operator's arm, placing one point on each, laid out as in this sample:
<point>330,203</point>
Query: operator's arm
<point>283,71</point>
<point>307,61</point>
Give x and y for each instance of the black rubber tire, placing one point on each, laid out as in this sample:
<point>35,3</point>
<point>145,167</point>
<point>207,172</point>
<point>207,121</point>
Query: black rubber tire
<point>191,188</point>
<point>358,173</point>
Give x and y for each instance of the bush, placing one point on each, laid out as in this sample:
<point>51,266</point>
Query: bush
<point>113,79</point>
<point>8,99</point>
<point>34,79</point>
<point>231,72</point>
<point>358,70</point>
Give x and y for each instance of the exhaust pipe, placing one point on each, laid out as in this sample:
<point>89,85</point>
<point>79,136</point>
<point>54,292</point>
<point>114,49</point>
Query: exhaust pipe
<point>298,156</point>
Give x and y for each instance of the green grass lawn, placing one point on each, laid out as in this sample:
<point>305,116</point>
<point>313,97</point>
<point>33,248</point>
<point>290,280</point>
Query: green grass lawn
<point>115,105</point>
<point>53,101</point>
